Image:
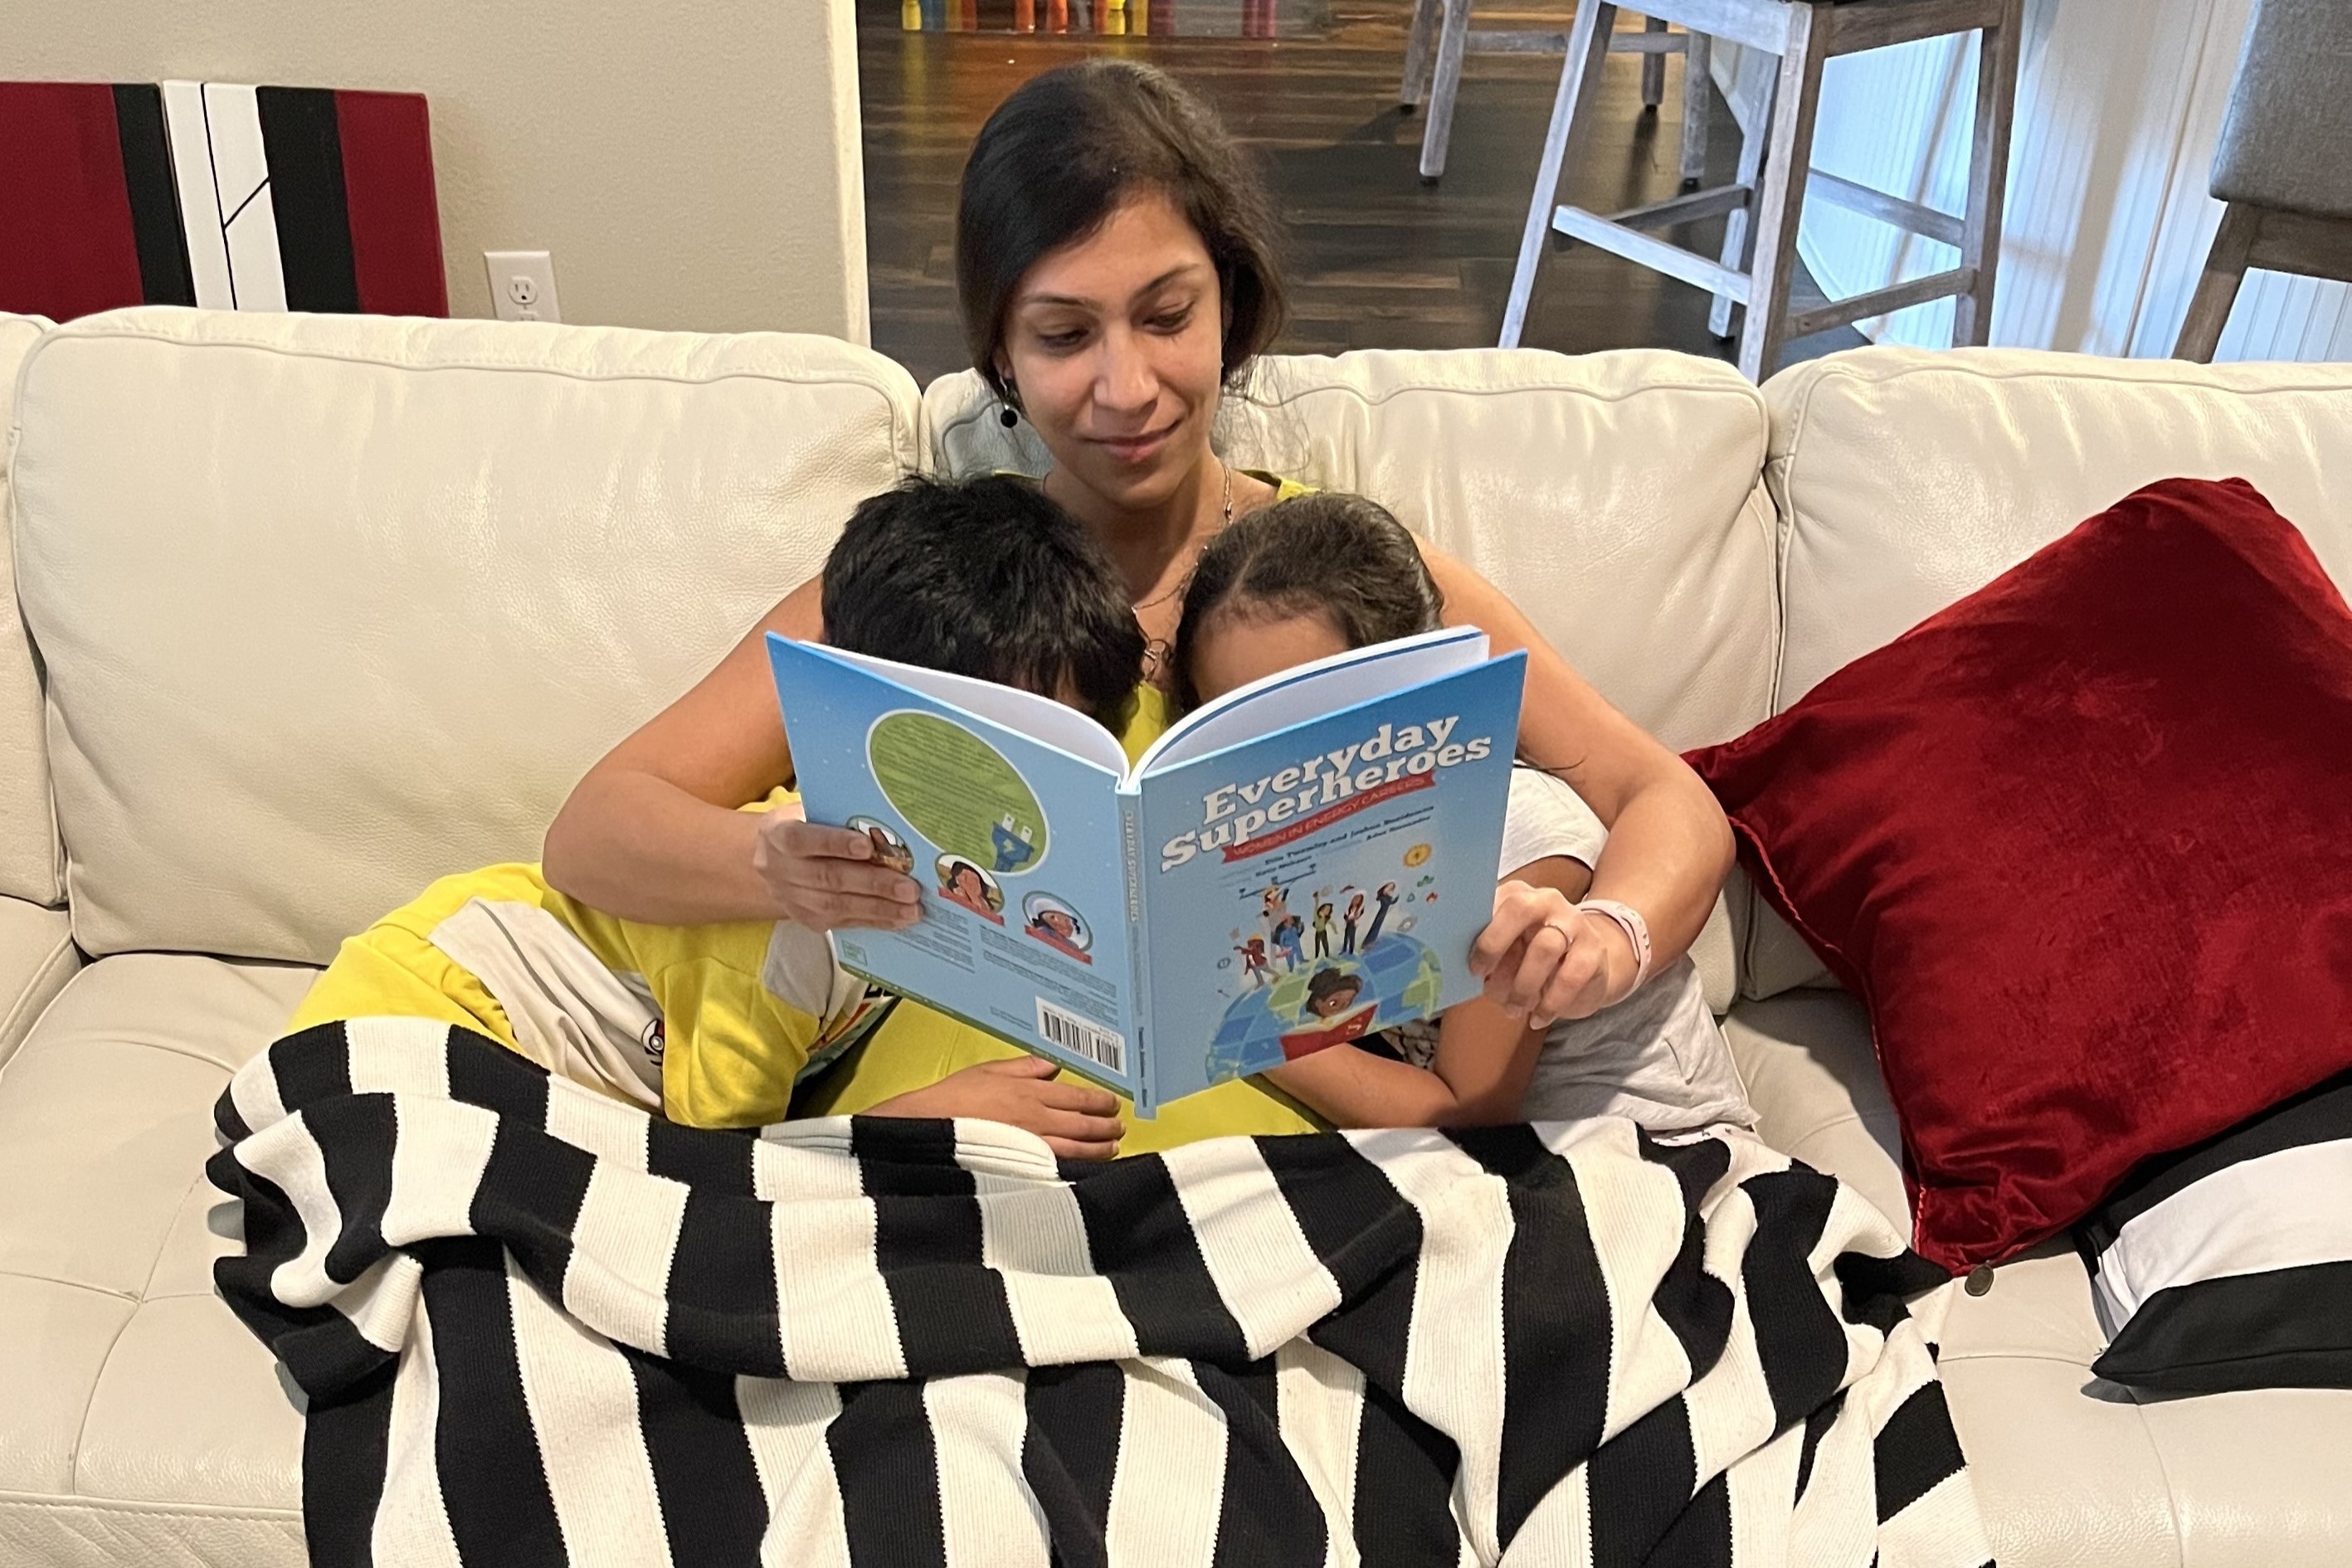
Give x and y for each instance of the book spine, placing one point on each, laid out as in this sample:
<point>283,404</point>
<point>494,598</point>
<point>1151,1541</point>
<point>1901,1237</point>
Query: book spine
<point>1139,948</point>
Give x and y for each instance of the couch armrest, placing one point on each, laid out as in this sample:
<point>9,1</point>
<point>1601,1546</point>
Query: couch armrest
<point>36,958</point>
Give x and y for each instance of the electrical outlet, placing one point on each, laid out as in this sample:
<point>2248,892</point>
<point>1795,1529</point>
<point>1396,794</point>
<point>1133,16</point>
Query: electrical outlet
<point>523,285</point>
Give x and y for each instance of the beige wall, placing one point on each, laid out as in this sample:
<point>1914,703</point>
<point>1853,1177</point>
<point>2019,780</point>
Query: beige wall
<point>691,165</point>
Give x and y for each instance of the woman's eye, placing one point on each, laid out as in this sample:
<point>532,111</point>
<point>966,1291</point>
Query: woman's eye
<point>1062,342</point>
<point>1172,321</point>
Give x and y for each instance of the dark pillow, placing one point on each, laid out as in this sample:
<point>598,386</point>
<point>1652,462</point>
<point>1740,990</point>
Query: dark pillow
<point>2229,1265</point>
<point>2083,845</point>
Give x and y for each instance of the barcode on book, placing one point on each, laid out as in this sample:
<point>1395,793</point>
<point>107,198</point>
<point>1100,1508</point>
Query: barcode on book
<point>1104,1047</point>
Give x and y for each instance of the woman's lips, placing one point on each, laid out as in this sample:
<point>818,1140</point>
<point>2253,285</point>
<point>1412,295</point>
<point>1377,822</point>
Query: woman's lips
<point>1135,449</point>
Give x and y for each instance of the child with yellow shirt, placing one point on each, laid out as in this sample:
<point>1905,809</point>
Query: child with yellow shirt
<point>717,1026</point>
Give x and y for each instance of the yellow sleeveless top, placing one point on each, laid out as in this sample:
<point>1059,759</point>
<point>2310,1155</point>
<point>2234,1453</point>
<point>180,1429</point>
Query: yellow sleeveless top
<point>916,1047</point>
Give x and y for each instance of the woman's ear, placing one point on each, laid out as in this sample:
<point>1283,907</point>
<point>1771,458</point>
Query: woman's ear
<point>1003,366</point>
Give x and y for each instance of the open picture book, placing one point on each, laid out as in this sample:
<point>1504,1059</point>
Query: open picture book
<point>1299,863</point>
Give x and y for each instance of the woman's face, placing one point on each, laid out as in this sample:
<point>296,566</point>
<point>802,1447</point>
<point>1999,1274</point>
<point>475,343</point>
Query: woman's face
<point>1114,345</point>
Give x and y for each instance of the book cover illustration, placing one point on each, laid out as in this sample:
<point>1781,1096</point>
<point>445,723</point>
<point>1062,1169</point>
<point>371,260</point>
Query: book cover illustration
<point>1295,866</point>
<point>1013,840</point>
<point>1326,882</point>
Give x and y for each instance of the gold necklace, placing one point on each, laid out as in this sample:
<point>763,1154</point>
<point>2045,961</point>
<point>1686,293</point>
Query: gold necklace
<point>1156,651</point>
<point>1225,522</point>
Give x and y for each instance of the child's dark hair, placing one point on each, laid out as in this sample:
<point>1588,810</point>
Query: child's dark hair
<point>1338,556</point>
<point>986,577</point>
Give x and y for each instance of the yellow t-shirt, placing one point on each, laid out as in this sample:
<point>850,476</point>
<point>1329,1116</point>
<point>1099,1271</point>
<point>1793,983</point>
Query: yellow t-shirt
<point>710,1025</point>
<point>916,1047</point>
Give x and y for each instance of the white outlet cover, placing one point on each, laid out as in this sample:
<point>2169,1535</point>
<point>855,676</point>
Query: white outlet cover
<point>523,285</point>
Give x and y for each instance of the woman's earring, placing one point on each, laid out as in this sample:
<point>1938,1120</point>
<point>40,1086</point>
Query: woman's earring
<point>1008,416</point>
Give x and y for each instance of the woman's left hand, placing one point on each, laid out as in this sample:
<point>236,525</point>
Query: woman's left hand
<point>1543,959</point>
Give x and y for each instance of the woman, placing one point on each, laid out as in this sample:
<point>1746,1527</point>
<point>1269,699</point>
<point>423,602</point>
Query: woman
<point>1114,259</point>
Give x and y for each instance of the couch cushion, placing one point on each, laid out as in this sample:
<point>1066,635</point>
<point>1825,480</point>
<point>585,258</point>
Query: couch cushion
<point>1813,1075</point>
<point>1907,478</point>
<point>2073,1469</point>
<point>1613,497</point>
<point>36,958</point>
<point>30,866</point>
<point>2072,1472</point>
<point>144,1423</point>
<point>376,592</point>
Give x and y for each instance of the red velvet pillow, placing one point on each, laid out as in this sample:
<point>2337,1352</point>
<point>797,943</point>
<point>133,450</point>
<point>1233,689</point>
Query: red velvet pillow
<point>2083,842</point>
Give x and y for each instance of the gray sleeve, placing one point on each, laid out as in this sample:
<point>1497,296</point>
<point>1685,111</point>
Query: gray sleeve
<point>1546,818</point>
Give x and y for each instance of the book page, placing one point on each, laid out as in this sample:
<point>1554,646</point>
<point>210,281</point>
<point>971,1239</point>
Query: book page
<point>1056,723</point>
<point>1310,887</point>
<point>1015,843</point>
<point>1311,691</point>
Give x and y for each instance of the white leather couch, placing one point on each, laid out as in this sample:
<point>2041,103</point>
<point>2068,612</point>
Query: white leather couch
<point>321,608</point>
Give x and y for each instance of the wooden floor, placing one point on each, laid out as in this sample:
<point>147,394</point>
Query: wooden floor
<point>1379,259</point>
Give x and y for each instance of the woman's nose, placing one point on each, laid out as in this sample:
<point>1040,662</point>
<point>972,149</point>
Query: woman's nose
<point>1124,382</point>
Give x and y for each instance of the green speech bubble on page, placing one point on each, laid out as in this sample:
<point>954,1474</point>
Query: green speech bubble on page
<point>958,791</point>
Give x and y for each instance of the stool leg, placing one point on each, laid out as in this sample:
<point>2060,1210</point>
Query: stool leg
<point>2217,289</point>
<point>1698,101</point>
<point>1654,69</point>
<point>1420,51</point>
<point>1997,57</point>
<point>1440,129</point>
<point>1740,228</point>
<point>1787,163</point>
<point>1579,83</point>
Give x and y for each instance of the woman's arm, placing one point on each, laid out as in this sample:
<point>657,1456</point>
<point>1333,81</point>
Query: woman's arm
<point>651,834</point>
<point>1483,1061</point>
<point>1669,846</point>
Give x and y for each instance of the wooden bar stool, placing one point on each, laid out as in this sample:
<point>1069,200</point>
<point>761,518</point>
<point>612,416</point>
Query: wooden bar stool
<point>1441,35</point>
<point>1805,35</point>
<point>2284,165</point>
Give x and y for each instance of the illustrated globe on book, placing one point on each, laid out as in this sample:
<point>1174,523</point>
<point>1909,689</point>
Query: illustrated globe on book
<point>1395,980</point>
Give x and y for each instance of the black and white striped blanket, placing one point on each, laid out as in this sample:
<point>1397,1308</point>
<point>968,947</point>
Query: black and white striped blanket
<point>537,1326</point>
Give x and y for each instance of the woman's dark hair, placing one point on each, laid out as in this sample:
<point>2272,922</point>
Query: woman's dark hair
<point>1063,151</point>
<point>986,577</point>
<point>1338,556</point>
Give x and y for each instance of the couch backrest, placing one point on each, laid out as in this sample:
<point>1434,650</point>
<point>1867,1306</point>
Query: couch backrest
<point>1614,497</point>
<point>31,865</point>
<point>332,607</point>
<point>1905,479</point>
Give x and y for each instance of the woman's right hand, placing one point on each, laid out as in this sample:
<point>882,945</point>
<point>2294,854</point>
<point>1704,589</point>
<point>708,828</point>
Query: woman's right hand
<point>1543,959</point>
<point>826,879</point>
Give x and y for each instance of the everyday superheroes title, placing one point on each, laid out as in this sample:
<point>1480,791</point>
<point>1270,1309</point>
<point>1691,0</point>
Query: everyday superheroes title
<point>1232,814</point>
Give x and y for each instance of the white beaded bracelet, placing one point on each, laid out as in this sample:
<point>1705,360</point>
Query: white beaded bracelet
<point>1628,920</point>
